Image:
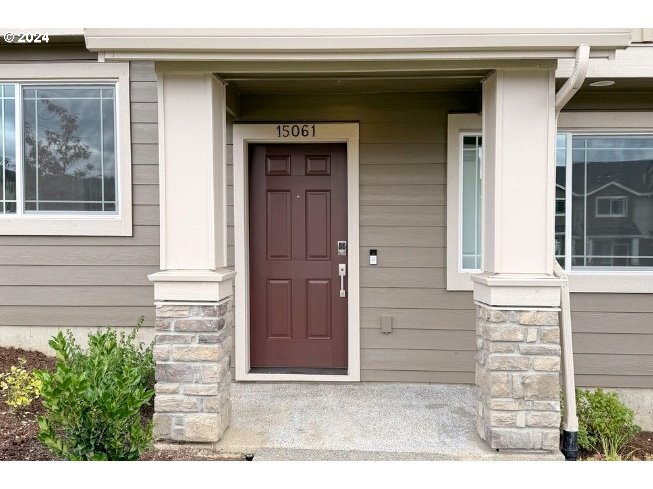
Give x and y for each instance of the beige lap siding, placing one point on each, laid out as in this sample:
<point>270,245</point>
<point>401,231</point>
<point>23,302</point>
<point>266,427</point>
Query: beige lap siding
<point>82,282</point>
<point>402,215</point>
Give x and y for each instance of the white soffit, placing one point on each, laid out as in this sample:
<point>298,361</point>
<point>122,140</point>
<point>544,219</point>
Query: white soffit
<point>634,62</point>
<point>351,44</point>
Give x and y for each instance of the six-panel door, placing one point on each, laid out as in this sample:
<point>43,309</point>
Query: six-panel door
<point>297,215</point>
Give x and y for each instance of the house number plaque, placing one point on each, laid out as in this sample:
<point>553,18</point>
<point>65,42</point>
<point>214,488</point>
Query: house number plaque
<point>295,130</point>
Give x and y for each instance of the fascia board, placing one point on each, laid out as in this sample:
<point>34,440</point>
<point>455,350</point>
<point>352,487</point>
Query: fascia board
<point>360,41</point>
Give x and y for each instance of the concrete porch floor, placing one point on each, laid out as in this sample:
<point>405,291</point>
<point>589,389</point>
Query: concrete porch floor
<point>367,421</point>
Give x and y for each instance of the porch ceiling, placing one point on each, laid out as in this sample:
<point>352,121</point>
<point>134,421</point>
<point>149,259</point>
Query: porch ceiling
<point>356,83</point>
<point>620,85</point>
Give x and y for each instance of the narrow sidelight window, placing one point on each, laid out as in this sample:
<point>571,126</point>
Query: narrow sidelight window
<point>7,149</point>
<point>470,204</point>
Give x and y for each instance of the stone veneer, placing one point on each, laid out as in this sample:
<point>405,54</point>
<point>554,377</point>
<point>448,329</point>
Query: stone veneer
<point>518,374</point>
<point>191,350</point>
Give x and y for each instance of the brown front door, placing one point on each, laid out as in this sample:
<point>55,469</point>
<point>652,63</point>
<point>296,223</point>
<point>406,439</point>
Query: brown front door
<point>297,216</point>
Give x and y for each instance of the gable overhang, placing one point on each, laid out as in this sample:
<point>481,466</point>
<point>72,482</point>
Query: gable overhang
<point>353,50</point>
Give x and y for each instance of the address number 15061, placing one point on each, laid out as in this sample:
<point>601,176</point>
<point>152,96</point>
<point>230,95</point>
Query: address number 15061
<point>295,130</point>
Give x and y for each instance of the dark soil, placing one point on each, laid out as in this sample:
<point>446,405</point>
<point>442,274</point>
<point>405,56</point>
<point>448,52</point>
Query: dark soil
<point>642,446</point>
<point>19,428</point>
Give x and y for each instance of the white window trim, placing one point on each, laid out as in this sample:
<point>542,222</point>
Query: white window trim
<point>597,281</point>
<point>606,280</point>
<point>68,224</point>
<point>244,134</point>
<point>611,198</point>
<point>457,279</point>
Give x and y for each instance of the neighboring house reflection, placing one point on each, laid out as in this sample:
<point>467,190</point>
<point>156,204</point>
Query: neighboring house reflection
<point>612,219</point>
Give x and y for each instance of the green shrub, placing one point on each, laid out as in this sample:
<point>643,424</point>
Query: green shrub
<point>93,399</point>
<point>605,424</point>
<point>18,386</point>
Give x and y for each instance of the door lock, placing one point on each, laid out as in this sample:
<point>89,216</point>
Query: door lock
<point>342,271</point>
<point>342,248</point>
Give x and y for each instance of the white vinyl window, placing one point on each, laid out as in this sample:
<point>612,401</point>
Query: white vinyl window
<point>67,157</point>
<point>470,202</point>
<point>64,148</point>
<point>607,181</point>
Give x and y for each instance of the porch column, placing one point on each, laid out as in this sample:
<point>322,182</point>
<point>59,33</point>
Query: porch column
<point>517,297</point>
<point>193,290</point>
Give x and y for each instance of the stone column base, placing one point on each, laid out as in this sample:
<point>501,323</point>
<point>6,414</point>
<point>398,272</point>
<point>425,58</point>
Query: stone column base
<point>518,374</point>
<point>191,350</point>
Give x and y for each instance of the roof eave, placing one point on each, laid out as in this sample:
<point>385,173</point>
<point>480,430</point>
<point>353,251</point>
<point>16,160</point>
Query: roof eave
<point>351,44</point>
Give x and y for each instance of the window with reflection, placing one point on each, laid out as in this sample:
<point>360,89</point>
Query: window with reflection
<point>69,148</point>
<point>67,141</point>
<point>610,200</point>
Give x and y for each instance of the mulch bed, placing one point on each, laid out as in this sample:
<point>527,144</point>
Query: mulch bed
<point>19,429</point>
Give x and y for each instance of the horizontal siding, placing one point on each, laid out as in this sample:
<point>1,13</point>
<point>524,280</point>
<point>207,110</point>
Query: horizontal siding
<point>73,255</point>
<point>613,339</point>
<point>402,195</point>
<point>417,376</point>
<point>38,275</point>
<point>75,295</point>
<point>71,316</point>
<point>405,257</point>
<point>70,281</point>
<point>458,319</point>
<point>18,53</point>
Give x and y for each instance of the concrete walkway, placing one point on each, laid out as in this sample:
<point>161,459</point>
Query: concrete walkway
<point>367,421</point>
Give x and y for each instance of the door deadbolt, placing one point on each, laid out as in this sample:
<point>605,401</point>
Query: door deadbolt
<point>342,248</point>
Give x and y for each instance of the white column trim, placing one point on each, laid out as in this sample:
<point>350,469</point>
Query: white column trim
<point>267,133</point>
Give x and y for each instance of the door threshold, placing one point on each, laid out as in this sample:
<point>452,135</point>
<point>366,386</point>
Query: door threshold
<point>298,371</point>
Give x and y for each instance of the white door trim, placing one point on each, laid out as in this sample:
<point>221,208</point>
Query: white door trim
<point>243,134</point>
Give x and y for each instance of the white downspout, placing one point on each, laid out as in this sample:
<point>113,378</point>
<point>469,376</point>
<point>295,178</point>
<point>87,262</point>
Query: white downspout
<point>575,81</point>
<point>570,420</point>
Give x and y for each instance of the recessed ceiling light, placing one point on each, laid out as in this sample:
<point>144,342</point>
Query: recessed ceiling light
<point>602,83</point>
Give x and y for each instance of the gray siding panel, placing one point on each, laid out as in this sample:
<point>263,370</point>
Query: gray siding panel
<point>71,316</point>
<point>18,53</point>
<point>70,281</point>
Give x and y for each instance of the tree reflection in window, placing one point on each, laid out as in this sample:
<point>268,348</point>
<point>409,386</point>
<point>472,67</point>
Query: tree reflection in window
<point>69,141</point>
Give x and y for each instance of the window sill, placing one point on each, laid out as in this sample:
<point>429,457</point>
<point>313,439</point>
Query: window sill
<point>65,226</point>
<point>604,281</point>
<point>635,282</point>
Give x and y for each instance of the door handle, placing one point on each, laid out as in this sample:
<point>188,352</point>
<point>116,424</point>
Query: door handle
<point>342,271</point>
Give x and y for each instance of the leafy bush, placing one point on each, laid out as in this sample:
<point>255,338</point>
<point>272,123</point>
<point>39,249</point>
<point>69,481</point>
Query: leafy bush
<point>94,397</point>
<point>19,387</point>
<point>605,424</point>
